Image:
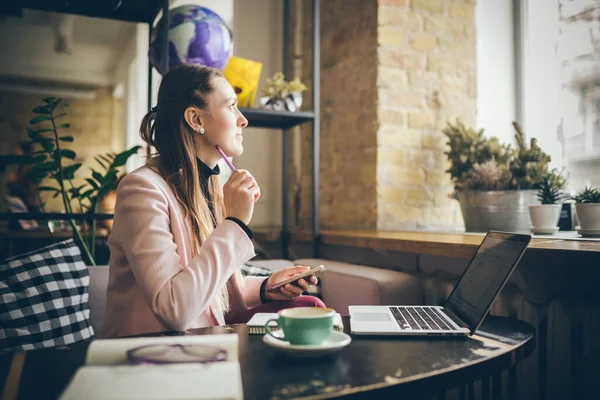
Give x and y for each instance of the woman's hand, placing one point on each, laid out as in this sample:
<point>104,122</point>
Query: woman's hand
<point>289,291</point>
<point>239,194</point>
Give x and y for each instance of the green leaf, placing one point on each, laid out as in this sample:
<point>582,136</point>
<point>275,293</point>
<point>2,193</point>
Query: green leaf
<point>66,138</point>
<point>99,161</point>
<point>93,183</point>
<point>69,172</point>
<point>47,145</point>
<point>10,159</point>
<point>36,175</point>
<point>41,110</point>
<point>44,130</point>
<point>70,154</point>
<point>60,115</point>
<point>107,158</point>
<point>55,195</point>
<point>102,192</point>
<point>121,158</point>
<point>62,126</point>
<point>49,100</point>
<point>39,158</point>
<point>98,177</point>
<point>46,188</point>
<point>39,118</point>
<point>46,166</point>
<point>35,135</point>
<point>86,195</point>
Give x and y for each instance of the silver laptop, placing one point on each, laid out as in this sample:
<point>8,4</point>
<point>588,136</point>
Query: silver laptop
<point>466,307</point>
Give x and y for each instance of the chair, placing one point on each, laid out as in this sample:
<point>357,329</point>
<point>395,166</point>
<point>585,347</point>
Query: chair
<point>97,291</point>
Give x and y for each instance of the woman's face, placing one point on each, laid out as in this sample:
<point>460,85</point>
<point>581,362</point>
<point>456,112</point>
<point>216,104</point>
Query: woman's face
<point>223,123</point>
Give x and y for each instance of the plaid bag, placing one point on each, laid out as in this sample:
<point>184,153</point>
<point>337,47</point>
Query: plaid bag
<point>44,298</point>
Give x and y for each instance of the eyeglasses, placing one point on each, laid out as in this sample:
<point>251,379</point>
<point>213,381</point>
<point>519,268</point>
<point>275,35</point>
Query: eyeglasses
<point>175,353</point>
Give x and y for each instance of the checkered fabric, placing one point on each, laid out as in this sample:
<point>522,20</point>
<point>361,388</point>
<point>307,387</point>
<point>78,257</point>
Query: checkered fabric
<point>253,270</point>
<point>44,299</point>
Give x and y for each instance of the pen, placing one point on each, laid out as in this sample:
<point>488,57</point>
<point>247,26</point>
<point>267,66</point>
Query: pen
<point>225,157</point>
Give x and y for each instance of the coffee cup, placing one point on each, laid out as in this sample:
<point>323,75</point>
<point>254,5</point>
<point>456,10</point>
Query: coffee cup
<point>303,325</point>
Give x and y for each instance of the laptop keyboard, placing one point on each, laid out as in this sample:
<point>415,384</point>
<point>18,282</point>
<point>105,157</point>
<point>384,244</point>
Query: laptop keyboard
<point>420,318</point>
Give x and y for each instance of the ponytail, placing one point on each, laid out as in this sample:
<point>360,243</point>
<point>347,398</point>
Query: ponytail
<point>148,127</point>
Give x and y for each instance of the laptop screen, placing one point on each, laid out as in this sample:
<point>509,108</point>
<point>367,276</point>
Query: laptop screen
<point>484,277</point>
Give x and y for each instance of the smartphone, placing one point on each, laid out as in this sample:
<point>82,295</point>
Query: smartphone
<point>293,279</point>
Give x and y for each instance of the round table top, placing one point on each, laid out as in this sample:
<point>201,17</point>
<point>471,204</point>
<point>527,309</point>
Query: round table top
<point>380,365</point>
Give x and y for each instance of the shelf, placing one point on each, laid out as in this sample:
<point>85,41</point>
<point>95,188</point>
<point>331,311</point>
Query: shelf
<point>127,10</point>
<point>258,118</point>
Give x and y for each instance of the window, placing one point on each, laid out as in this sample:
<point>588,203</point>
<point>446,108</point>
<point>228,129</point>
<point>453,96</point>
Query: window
<point>561,84</point>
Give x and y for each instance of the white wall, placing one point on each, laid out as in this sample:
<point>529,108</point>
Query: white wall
<point>496,106</point>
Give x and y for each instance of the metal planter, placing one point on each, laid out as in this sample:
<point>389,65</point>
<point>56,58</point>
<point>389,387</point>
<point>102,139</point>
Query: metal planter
<point>503,210</point>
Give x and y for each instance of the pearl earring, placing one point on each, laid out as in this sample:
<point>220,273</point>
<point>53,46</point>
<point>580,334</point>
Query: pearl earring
<point>202,131</point>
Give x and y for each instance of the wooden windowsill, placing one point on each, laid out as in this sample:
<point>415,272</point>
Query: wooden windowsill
<point>444,244</point>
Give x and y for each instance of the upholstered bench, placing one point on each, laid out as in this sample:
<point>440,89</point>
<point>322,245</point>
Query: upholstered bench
<point>345,284</point>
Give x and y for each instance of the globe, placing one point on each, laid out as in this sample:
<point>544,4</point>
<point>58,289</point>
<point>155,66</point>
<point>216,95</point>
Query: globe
<point>197,35</point>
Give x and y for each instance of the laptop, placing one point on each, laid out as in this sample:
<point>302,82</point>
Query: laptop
<point>496,258</point>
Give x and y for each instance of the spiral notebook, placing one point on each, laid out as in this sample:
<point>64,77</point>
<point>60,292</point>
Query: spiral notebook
<point>257,323</point>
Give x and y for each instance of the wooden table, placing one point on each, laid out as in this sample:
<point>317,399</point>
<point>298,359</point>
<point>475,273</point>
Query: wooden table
<point>369,366</point>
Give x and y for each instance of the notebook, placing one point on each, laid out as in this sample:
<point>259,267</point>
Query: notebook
<point>107,374</point>
<point>257,323</point>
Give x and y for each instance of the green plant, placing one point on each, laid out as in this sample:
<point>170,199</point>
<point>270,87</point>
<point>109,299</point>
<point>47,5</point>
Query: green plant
<point>529,164</point>
<point>470,154</point>
<point>53,162</point>
<point>551,189</point>
<point>588,195</point>
<point>469,148</point>
<point>278,88</point>
<point>488,176</point>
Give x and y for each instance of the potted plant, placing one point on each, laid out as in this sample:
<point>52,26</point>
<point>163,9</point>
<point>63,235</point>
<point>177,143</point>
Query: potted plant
<point>280,95</point>
<point>545,216</point>
<point>494,183</point>
<point>53,170</point>
<point>587,209</point>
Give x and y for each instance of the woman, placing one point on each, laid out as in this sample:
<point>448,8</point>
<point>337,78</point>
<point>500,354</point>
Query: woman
<point>178,240</point>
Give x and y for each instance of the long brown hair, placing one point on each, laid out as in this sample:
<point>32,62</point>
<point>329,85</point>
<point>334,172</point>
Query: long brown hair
<point>165,129</point>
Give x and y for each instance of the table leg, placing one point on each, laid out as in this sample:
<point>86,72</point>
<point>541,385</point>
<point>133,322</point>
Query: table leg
<point>497,386</point>
<point>485,388</point>
<point>471,391</point>
<point>512,382</point>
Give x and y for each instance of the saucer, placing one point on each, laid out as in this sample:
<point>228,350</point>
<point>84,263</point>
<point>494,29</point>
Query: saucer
<point>335,342</point>
<point>544,231</point>
<point>593,233</point>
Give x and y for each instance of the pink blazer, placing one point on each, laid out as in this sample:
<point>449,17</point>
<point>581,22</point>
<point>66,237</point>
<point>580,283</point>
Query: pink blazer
<point>154,282</point>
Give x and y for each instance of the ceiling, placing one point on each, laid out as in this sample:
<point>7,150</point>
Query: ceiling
<point>28,47</point>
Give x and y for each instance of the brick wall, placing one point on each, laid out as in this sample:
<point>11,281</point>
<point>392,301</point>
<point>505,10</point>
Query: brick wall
<point>91,127</point>
<point>393,72</point>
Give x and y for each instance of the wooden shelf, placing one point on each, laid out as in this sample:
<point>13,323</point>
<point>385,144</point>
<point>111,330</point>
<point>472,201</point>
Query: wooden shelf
<point>258,118</point>
<point>128,10</point>
<point>462,245</point>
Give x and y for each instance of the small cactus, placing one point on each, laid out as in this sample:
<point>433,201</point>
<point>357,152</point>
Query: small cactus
<point>551,188</point>
<point>588,195</point>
